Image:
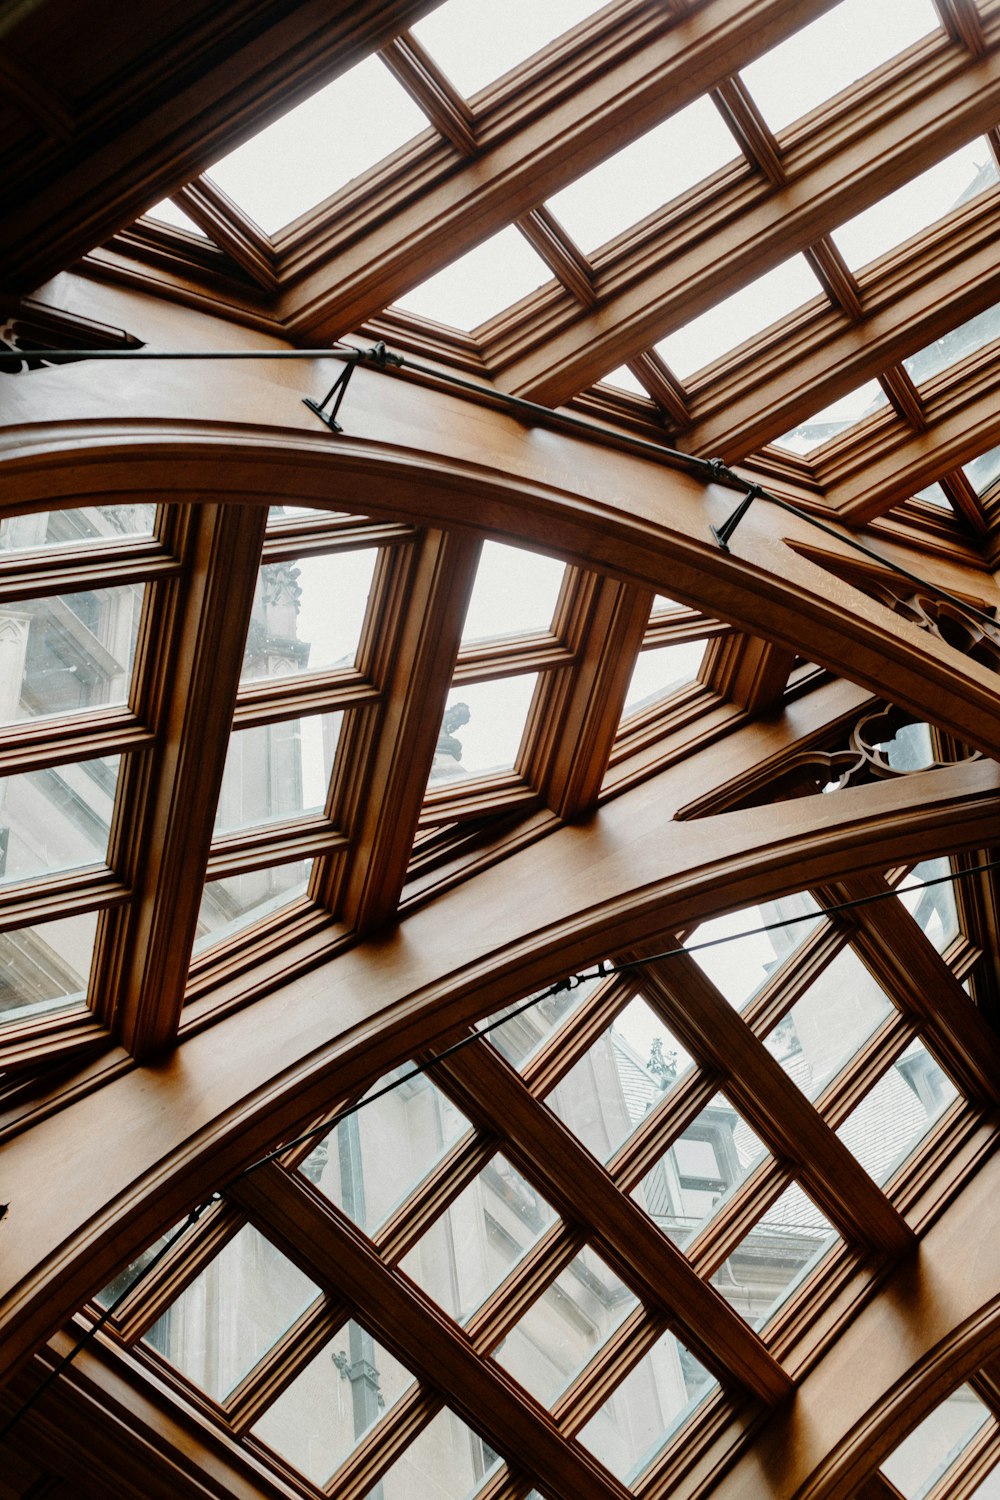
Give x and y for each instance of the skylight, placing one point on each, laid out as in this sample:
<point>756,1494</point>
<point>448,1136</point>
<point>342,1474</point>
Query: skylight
<point>645,175</point>
<point>983,471</point>
<point>318,147</point>
<point>477,41</point>
<point>167,212</point>
<point>739,317</point>
<point>477,286</point>
<point>515,593</point>
<point>960,177</point>
<point>834,419</point>
<point>968,338</point>
<point>623,380</point>
<point>832,52</point>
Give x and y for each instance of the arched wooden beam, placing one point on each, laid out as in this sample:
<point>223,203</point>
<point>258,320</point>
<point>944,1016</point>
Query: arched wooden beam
<point>78,1210</point>
<point>413,451</point>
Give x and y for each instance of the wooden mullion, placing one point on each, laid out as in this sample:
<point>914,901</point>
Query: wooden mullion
<point>35,743</point>
<point>776,1110</point>
<point>838,281</point>
<point>478,799</point>
<point>965,501</point>
<point>521,1288</point>
<point>385,1443</point>
<point>753,231</point>
<point>225,223</point>
<point>877,1487</point>
<point>582,740</point>
<point>196,1249</point>
<point>320,535</point>
<point>272,847</point>
<point>60,896</point>
<point>672,1113</point>
<point>271,701</point>
<point>605,1371</point>
<point>736,1220</point>
<point>432,90</point>
<point>748,671</point>
<point>582,1190</point>
<point>283,1363</point>
<point>924,986</point>
<point>399,1315</point>
<point>904,396</point>
<point>36,576</point>
<point>575,1034</point>
<point>433,1196</point>
<point>977,1459</point>
<point>168,862</point>
<point>429,627</point>
<point>512,659</point>
<point>862,1072</point>
<point>963,22</point>
<point>562,257</point>
<point>736,104</point>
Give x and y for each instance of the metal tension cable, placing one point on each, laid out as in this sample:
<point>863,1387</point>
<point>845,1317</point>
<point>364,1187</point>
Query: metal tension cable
<point>711,470</point>
<point>604,970</point>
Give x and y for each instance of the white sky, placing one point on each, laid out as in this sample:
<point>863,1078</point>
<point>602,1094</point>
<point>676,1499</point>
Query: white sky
<point>913,207</point>
<point>515,592</point>
<point>480,284</point>
<point>315,149</point>
<point>643,176</point>
<point>739,317</point>
<point>476,41</point>
<point>833,52</point>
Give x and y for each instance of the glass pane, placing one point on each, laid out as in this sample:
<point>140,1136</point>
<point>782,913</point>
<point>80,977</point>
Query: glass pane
<point>933,907</point>
<point>470,1248</point>
<point>237,901</point>
<point>934,495</point>
<point>482,728</point>
<point>778,1253</point>
<point>476,42</point>
<point>661,671</point>
<point>565,1328</point>
<point>833,52</point>
<point>276,771</point>
<point>521,1038</point>
<point>613,1087</point>
<point>910,748</point>
<point>167,212</point>
<point>90,525</point>
<point>932,1447</point>
<point>623,380</point>
<point>651,1402</point>
<point>897,1113</point>
<point>983,471</point>
<point>46,968</point>
<point>448,1461</point>
<point>134,1271</point>
<point>70,652</point>
<point>968,338</point>
<point>374,1158</point>
<point>233,1313</point>
<point>318,1421</point>
<point>739,966</point>
<point>644,176</point>
<point>477,286</point>
<point>515,593</point>
<point>838,417</point>
<point>743,316</point>
<point>826,1028</point>
<point>56,819</point>
<point>307,615</point>
<point>317,148</point>
<point>908,210</point>
<point>990,1487</point>
<point>700,1172</point>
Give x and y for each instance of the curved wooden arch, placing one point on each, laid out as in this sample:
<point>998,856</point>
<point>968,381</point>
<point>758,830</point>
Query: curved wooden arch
<point>429,455</point>
<point>77,1210</point>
